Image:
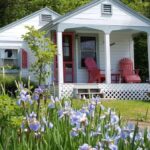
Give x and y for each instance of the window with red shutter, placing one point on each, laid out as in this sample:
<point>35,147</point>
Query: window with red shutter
<point>24,59</point>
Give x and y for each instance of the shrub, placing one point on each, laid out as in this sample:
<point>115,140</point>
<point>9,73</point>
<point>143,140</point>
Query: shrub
<point>8,82</point>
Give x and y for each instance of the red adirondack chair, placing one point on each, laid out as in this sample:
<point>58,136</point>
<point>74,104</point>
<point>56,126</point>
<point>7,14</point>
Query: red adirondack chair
<point>127,73</point>
<point>94,73</point>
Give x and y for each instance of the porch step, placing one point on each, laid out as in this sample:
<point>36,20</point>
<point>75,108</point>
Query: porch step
<point>88,92</point>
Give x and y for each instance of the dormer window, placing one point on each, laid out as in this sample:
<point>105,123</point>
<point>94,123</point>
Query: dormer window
<point>46,18</point>
<point>107,9</point>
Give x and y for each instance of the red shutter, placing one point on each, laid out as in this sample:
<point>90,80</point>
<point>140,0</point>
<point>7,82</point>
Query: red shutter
<point>24,59</point>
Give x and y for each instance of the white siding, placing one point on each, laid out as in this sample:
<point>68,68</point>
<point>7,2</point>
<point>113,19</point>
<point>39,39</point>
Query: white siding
<point>15,32</point>
<point>94,16</point>
<point>120,50</point>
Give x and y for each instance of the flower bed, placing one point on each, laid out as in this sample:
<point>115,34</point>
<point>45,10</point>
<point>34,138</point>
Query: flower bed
<point>50,123</point>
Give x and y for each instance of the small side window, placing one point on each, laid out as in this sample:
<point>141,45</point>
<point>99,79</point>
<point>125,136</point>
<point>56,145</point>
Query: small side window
<point>107,9</point>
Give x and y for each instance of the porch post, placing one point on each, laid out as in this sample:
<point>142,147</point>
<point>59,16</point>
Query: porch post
<point>107,58</point>
<point>148,45</point>
<point>60,62</point>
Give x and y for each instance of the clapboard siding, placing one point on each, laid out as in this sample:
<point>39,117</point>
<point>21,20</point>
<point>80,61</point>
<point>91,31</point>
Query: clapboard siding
<point>120,50</point>
<point>93,15</point>
<point>15,32</point>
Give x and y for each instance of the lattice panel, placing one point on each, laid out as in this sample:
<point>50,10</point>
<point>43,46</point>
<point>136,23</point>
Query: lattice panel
<point>113,91</point>
<point>67,90</point>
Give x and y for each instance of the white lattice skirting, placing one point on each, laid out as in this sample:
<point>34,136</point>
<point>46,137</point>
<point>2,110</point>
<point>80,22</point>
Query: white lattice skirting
<point>112,91</point>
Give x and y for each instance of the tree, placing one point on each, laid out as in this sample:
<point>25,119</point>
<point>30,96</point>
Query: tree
<point>12,10</point>
<point>44,51</point>
<point>141,6</point>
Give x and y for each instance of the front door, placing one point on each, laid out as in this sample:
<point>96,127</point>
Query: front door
<point>68,65</point>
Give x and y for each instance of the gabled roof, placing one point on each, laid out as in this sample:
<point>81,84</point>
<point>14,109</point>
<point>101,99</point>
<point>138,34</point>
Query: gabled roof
<point>95,2</point>
<point>27,17</point>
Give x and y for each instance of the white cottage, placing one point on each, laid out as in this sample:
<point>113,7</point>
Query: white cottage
<point>13,50</point>
<point>103,30</point>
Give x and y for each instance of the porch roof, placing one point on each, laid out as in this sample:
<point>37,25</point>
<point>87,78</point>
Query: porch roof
<point>58,24</point>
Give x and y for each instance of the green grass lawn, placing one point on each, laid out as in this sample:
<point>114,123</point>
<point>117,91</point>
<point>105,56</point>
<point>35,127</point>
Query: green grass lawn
<point>128,109</point>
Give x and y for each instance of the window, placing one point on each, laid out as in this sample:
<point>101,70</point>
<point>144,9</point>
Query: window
<point>88,48</point>
<point>106,9</point>
<point>46,18</point>
<point>10,57</point>
<point>8,53</point>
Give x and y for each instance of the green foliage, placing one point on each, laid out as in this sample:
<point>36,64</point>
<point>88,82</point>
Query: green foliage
<point>16,9</point>
<point>7,82</point>
<point>9,67</point>
<point>44,51</point>
<point>139,6</point>
<point>141,55</point>
<point>8,109</point>
<point>99,128</point>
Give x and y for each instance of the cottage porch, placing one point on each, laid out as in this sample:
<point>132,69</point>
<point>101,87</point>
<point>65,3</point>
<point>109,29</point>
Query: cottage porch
<point>110,48</point>
<point>103,30</point>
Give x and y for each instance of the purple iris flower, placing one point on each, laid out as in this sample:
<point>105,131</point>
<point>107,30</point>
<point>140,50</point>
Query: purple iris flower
<point>124,135</point>
<point>86,111</point>
<point>91,107</point>
<point>39,90</point>
<point>51,105</point>
<point>34,124</point>
<point>114,119</point>
<point>24,97</point>
<point>126,131</point>
<point>35,96</point>
<point>74,133</point>
<point>84,147</point>
<point>74,120</point>
<point>96,100</point>
<point>24,92</point>
<point>32,115</point>
<point>67,104</point>
<point>113,147</point>
<point>60,113</point>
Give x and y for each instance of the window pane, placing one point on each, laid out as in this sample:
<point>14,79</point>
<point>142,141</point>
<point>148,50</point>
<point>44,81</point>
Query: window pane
<point>88,48</point>
<point>67,51</point>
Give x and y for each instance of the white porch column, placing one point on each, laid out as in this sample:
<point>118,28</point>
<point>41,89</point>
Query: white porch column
<point>60,61</point>
<point>148,46</point>
<point>107,58</point>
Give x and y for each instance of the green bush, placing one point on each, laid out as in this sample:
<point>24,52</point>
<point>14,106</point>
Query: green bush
<point>9,84</point>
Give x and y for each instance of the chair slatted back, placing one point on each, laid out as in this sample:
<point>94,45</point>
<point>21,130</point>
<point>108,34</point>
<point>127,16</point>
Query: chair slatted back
<point>126,66</point>
<point>90,63</point>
